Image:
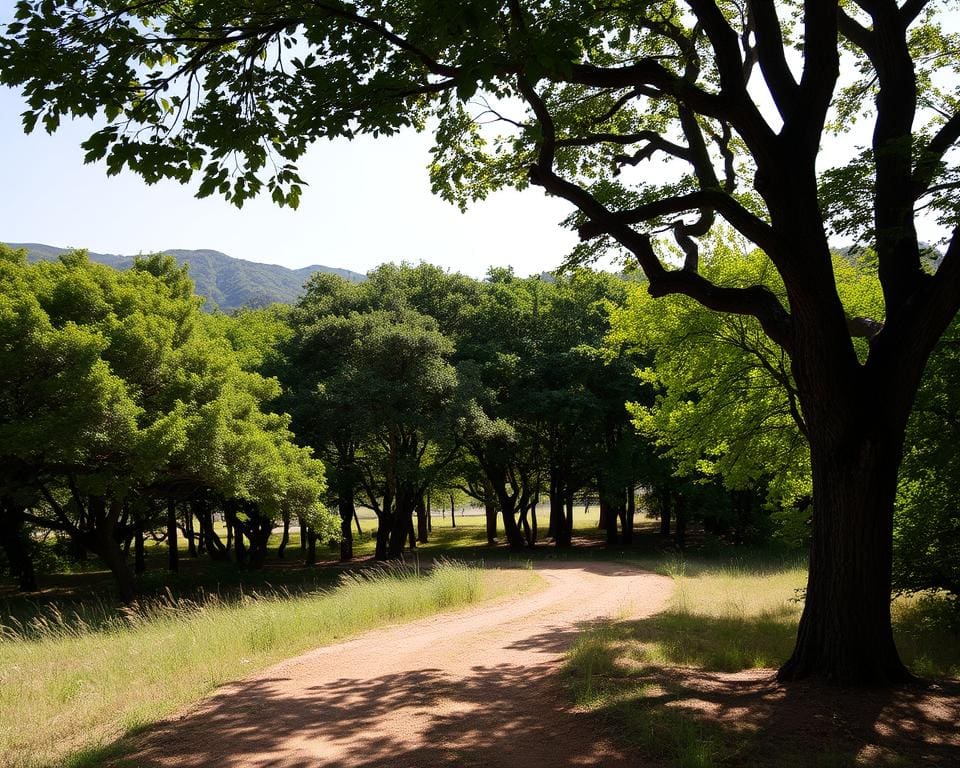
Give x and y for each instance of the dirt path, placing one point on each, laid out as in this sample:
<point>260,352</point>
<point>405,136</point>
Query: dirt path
<point>478,688</point>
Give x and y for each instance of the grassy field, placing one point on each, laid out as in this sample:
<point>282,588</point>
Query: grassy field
<point>82,684</point>
<point>645,678</point>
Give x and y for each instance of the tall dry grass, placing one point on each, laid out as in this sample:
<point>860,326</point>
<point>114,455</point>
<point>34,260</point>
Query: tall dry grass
<point>71,683</point>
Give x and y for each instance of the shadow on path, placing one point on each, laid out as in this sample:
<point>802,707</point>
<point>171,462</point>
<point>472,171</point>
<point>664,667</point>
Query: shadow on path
<point>418,718</point>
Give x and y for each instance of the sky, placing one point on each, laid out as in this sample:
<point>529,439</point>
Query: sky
<point>368,201</point>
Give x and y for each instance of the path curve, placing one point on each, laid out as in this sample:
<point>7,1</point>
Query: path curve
<point>477,688</point>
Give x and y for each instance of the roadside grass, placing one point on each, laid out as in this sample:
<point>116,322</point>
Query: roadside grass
<point>71,687</point>
<point>646,677</point>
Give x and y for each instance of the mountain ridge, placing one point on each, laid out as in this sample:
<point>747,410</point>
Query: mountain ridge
<point>226,282</point>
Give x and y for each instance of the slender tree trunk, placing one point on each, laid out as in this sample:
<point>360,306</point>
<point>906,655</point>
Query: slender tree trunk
<point>261,528</point>
<point>173,552</point>
<point>490,513</point>
<point>384,524</point>
<point>422,525</point>
<point>429,516</point>
<point>680,508</point>
<point>311,548</point>
<point>511,529</point>
<point>348,513</point>
<point>212,543</point>
<point>563,526</point>
<point>630,514</point>
<point>191,532</point>
<point>239,547</point>
<point>285,537</point>
<point>665,508</point>
<point>411,533</point>
<point>524,524</point>
<point>613,535</point>
<point>139,559</point>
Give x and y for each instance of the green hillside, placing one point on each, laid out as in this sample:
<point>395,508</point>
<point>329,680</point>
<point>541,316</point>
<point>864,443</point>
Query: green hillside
<point>227,283</point>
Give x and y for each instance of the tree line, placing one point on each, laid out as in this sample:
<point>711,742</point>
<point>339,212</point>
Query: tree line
<point>129,414</point>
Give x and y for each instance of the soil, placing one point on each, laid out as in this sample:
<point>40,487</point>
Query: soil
<point>481,688</point>
<point>478,688</point>
<point>810,723</point>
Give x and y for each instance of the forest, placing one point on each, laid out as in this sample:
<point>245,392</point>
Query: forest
<point>759,406</point>
<point>132,417</point>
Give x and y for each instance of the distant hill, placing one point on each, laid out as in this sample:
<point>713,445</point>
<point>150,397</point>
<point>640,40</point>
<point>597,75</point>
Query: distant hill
<point>226,282</point>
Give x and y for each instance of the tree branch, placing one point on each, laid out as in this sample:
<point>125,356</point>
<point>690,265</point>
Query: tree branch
<point>745,222</point>
<point>770,54</point>
<point>911,9</point>
<point>932,155</point>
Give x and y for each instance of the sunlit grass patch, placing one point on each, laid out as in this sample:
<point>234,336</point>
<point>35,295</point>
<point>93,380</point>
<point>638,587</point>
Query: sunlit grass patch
<point>724,618</point>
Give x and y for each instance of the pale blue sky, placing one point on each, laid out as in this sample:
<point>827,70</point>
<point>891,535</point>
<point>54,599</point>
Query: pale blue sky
<point>368,201</point>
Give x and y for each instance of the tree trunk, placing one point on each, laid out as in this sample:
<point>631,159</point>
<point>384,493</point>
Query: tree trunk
<point>103,541</point>
<point>422,525</point>
<point>490,513</point>
<point>16,543</point>
<point>563,525</point>
<point>680,508</point>
<point>411,533</point>
<point>311,549</point>
<point>191,533</point>
<point>211,541</point>
<point>348,512</point>
<point>285,537</point>
<point>630,514</point>
<point>173,552</point>
<point>511,529</point>
<point>139,559</point>
<point>665,508</point>
<point>845,634</point>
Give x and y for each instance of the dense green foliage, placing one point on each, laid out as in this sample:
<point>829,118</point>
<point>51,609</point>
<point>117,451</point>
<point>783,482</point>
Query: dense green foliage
<point>120,402</point>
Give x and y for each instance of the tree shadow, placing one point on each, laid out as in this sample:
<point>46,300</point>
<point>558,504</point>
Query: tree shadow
<point>498,715</point>
<point>686,715</point>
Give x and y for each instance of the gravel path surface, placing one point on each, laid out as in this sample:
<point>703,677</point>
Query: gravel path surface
<point>478,688</point>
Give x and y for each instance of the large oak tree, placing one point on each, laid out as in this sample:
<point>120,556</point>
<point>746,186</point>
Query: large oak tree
<point>736,97</point>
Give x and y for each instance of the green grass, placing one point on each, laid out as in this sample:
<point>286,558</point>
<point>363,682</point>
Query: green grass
<point>71,687</point>
<point>723,618</point>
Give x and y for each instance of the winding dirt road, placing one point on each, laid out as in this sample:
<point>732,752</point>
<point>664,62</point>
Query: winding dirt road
<point>474,689</point>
